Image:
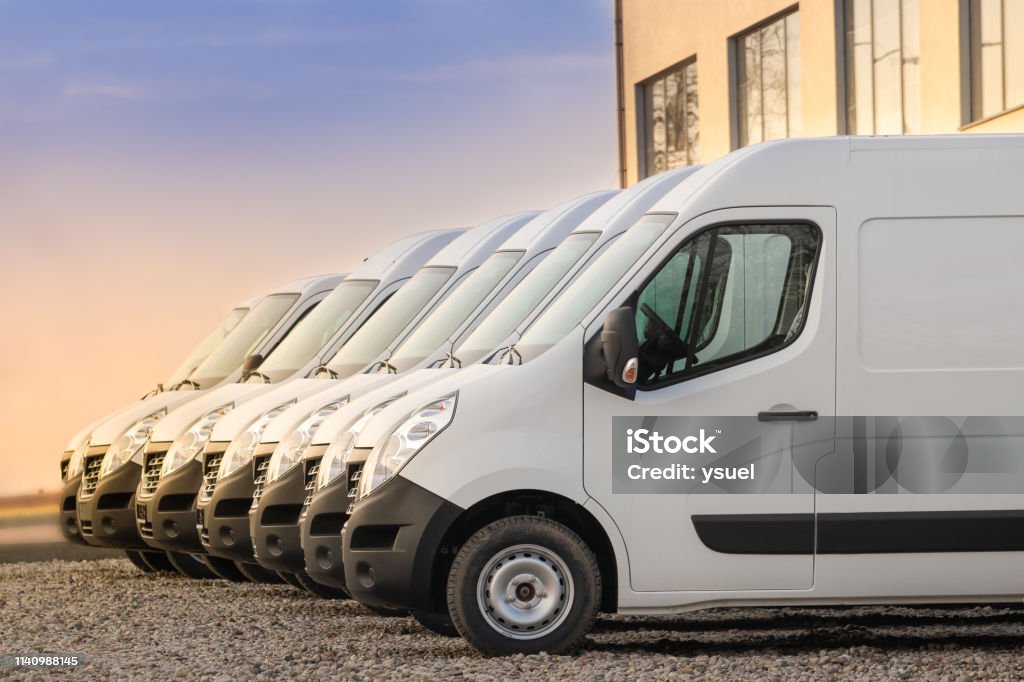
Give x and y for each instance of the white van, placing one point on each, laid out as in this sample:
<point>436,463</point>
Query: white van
<point>308,344</point>
<point>172,472</point>
<point>703,463</point>
<point>121,437</point>
<point>74,454</point>
<point>331,481</point>
<point>274,517</point>
<point>113,450</point>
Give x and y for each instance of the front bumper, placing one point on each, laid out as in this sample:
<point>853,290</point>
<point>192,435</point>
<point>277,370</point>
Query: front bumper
<point>69,513</point>
<point>166,518</point>
<point>321,523</point>
<point>106,506</point>
<point>223,517</point>
<point>390,543</point>
<point>274,523</point>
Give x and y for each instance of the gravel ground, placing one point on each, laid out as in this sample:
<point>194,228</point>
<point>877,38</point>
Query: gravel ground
<point>130,625</point>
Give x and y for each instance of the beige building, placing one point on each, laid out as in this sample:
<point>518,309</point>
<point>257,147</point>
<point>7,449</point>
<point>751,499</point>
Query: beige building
<point>699,78</point>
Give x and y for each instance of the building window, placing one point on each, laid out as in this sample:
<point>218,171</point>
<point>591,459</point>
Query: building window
<point>997,56</point>
<point>671,125</point>
<point>883,79</point>
<point>768,81</point>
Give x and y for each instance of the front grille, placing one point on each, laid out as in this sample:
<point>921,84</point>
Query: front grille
<point>211,465</point>
<point>86,527</point>
<point>152,463</point>
<point>146,529</point>
<point>91,474</point>
<point>260,465</point>
<point>355,472</point>
<point>312,469</point>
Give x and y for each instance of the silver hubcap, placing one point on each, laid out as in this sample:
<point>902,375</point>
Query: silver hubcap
<point>525,592</point>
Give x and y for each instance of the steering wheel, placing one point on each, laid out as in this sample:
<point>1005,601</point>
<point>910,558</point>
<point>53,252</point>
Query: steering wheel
<point>682,349</point>
<point>662,325</point>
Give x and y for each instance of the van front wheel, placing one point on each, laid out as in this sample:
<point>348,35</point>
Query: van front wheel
<point>524,584</point>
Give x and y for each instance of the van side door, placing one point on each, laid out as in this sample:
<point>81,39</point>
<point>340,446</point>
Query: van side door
<point>735,321</point>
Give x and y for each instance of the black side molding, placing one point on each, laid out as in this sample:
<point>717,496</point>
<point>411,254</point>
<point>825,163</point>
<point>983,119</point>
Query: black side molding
<point>793,416</point>
<point>863,533</point>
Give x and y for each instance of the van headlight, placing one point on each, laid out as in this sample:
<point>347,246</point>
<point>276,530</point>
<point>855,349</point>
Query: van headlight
<point>188,445</point>
<point>129,446</point>
<point>389,456</point>
<point>335,460</point>
<point>241,449</point>
<point>77,459</point>
<point>289,452</point>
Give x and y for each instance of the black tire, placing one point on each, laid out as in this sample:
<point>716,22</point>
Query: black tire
<point>135,556</point>
<point>255,573</point>
<point>316,589</point>
<point>158,561</point>
<point>438,623</point>
<point>564,586</point>
<point>289,579</point>
<point>385,612</point>
<point>189,566</point>
<point>225,568</point>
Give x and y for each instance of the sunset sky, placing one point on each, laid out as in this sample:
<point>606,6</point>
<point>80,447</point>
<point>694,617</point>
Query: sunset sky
<point>162,161</point>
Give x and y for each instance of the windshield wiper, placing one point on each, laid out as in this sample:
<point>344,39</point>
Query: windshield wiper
<point>510,355</point>
<point>386,366</point>
<point>193,385</point>
<point>323,369</point>
<point>257,373</point>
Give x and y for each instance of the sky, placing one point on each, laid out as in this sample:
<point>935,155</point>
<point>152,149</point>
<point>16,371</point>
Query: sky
<point>162,161</point>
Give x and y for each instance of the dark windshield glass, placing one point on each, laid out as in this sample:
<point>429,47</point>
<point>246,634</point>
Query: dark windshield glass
<point>244,339</point>
<point>311,334</point>
<point>206,347</point>
<point>450,314</point>
<point>381,330</point>
<point>523,300</point>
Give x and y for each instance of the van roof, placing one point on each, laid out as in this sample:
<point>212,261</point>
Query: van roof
<point>913,174</point>
<point>557,222</point>
<point>312,283</point>
<point>476,243</point>
<point>404,257</point>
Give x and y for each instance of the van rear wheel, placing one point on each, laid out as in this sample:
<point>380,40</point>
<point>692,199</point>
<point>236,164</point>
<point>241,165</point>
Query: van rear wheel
<point>438,623</point>
<point>523,585</point>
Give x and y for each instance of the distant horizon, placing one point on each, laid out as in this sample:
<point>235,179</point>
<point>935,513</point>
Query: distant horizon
<point>163,162</point>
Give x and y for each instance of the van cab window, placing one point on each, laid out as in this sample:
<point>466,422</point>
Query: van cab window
<point>730,294</point>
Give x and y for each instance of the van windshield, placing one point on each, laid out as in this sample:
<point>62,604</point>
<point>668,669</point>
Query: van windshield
<point>381,330</point>
<point>453,311</point>
<point>524,299</point>
<point>582,295</point>
<point>243,339</point>
<point>206,347</point>
<point>314,331</point>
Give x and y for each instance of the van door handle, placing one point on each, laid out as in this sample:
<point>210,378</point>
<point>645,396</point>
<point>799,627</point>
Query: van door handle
<point>793,416</point>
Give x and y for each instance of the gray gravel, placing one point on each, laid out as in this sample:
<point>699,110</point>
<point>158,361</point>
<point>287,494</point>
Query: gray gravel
<point>130,625</point>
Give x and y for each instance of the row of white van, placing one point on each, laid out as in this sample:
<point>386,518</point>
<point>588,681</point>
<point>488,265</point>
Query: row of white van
<point>443,430</point>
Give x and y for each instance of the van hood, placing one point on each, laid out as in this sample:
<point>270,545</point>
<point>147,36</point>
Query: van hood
<point>238,420</point>
<point>336,389</point>
<point>394,414</point>
<point>112,428</point>
<point>182,417</point>
<point>363,400</point>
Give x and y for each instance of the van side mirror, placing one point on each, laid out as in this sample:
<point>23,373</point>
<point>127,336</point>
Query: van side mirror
<point>251,364</point>
<point>620,347</point>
